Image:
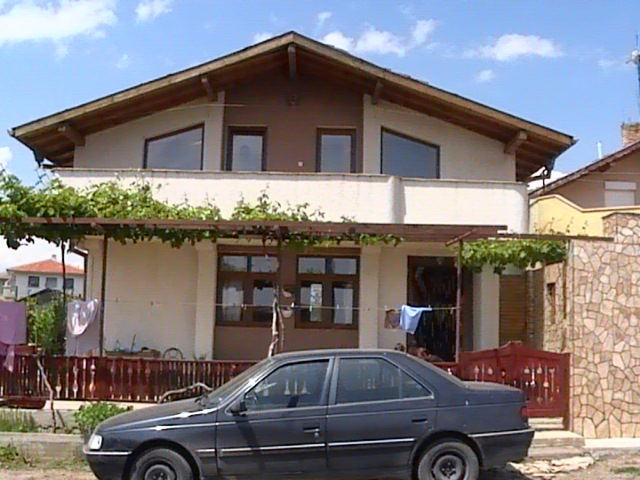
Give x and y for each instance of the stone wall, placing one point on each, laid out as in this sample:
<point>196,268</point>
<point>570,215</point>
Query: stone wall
<point>601,329</point>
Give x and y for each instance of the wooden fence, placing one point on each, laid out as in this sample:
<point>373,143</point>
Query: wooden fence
<point>543,376</point>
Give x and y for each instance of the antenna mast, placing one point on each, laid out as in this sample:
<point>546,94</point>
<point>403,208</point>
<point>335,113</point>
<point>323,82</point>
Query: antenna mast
<point>635,59</point>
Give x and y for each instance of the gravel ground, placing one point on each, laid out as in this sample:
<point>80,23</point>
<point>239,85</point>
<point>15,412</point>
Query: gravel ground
<point>610,467</point>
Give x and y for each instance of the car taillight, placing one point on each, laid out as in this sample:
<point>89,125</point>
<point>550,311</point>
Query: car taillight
<point>524,413</point>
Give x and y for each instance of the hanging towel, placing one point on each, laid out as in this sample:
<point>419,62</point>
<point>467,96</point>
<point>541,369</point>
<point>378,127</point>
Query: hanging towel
<point>13,330</point>
<point>410,317</point>
<point>80,315</point>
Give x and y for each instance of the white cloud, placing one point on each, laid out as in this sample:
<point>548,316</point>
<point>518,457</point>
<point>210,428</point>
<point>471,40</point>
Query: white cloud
<point>262,36</point>
<point>484,76</point>
<point>150,9</point>
<point>123,62</point>
<point>28,253</point>
<point>513,46</point>
<point>383,42</point>
<point>55,21</point>
<point>5,157</point>
<point>322,18</point>
<point>339,40</point>
<point>422,30</point>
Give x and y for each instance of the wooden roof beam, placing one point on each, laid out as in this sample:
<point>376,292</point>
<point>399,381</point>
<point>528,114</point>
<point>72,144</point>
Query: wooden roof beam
<point>212,95</point>
<point>375,97</point>
<point>517,140</point>
<point>293,68</point>
<point>72,134</point>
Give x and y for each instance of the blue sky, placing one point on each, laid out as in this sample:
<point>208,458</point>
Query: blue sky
<point>558,63</point>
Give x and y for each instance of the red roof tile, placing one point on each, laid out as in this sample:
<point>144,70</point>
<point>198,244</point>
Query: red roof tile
<point>46,266</point>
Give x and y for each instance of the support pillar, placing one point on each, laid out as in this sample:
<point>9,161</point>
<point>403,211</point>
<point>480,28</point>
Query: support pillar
<point>205,300</point>
<point>486,309</point>
<point>369,294</point>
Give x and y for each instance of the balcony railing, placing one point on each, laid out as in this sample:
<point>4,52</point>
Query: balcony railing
<point>361,197</point>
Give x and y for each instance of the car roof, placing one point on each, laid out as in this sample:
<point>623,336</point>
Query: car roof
<point>334,352</point>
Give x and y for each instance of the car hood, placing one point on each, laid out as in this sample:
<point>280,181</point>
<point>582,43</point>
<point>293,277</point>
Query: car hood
<point>486,392</point>
<point>182,412</point>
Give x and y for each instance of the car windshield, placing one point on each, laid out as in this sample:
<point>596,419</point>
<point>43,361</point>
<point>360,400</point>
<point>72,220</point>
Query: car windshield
<point>222,392</point>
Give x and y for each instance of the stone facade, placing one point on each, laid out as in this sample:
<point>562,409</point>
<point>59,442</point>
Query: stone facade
<point>599,326</point>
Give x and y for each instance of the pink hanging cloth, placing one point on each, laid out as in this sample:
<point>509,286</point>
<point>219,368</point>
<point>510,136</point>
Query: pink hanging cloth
<point>13,330</point>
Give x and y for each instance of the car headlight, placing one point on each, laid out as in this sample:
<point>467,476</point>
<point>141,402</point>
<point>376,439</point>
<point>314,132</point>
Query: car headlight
<point>95,442</point>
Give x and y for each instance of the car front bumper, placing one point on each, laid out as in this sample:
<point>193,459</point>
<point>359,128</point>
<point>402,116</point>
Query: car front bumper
<point>107,465</point>
<point>499,448</point>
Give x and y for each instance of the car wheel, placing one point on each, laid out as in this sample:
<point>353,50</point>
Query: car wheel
<point>448,460</point>
<point>161,464</point>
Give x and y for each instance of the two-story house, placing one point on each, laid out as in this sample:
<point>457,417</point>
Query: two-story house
<point>312,124</point>
<point>32,278</point>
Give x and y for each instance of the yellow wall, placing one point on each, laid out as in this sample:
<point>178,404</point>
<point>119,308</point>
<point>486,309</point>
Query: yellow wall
<point>554,213</point>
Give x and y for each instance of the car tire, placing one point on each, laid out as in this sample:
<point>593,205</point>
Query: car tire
<point>161,464</point>
<point>448,460</point>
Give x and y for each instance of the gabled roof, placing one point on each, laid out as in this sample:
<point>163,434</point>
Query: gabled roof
<point>54,137</point>
<point>46,266</point>
<point>600,165</point>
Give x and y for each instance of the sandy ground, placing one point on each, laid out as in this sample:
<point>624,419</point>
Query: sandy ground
<point>610,467</point>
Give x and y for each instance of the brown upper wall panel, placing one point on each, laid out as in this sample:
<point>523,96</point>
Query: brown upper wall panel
<point>318,104</point>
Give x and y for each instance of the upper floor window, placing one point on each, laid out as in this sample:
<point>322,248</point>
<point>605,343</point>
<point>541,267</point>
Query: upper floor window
<point>404,156</point>
<point>328,291</point>
<point>180,150</point>
<point>336,151</point>
<point>619,194</point>
<point>246,149</point>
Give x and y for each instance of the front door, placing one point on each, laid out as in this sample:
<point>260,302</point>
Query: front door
<point>283,427</point>
<point>376,415</point>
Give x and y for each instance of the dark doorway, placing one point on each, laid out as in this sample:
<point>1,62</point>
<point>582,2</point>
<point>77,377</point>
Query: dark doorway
<point>432,282</point>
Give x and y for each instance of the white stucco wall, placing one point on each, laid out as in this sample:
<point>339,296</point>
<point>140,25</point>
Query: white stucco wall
<point>463,154</point>
<point>21,280</point>
<point>123,146</point>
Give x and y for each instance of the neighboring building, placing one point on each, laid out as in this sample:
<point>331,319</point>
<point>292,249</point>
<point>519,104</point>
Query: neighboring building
<point>32,278</point>
<point>4,277</point>
<point>312,124</point>
<point>578,202</point>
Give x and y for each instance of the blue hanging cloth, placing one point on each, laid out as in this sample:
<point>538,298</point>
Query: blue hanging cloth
<point>410,317</point>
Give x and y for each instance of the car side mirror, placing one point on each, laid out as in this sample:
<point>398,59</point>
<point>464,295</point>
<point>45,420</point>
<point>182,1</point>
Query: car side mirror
<point>238,407</point>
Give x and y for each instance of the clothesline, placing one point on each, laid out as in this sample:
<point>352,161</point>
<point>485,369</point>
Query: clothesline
<point>282,304</point>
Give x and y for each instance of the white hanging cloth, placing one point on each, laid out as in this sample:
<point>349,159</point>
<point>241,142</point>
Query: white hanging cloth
<point>80,315</point>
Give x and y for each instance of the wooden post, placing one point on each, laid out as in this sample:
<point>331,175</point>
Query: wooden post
<point>103,289</point>
<point>459,299</point>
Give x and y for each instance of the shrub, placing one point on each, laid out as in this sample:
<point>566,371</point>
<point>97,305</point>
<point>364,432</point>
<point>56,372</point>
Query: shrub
<point>12,457</point>
<point>16,421</point>
<point>89,416</point>
<point>47,325</point>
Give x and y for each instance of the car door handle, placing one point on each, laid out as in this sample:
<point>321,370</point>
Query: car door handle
<point>420,420</point>
<point>315,431</point>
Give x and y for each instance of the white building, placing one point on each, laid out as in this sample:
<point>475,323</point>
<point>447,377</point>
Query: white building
<point>312,124</point>
<point>33,278</point>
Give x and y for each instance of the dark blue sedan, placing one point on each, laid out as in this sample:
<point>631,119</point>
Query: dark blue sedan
<point>323,414</point>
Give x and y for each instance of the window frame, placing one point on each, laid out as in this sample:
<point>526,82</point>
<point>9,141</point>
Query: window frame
<point>249,385</point>
<point>327,280</point>
<point>46,281</point>
<point>240,130</point>
<point>384,130</point>
<point>351,132</point>
<point>37,282</point>
<point>247,278</point>
<point>73,284</point>
<point>333,397</point>
<point>147,141</point>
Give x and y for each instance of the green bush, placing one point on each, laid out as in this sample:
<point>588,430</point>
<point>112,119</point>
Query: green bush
<point>46,324</point>
<point>89,416</point>
<point>16,421</point>
<point>12,457</point>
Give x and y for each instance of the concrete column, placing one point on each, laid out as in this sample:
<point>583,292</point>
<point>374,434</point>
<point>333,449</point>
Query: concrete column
<point>486,309</point>
<point>369,292</point>
<point>93,275</point>
<point>205,300</point>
